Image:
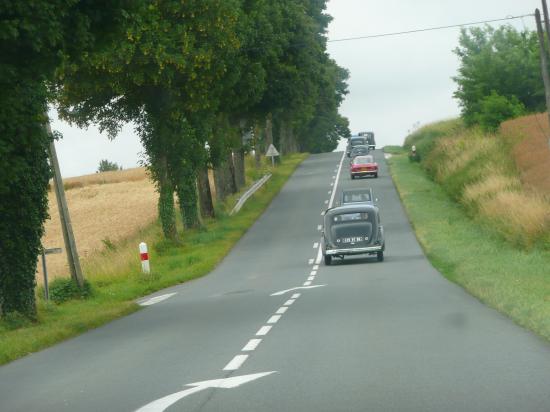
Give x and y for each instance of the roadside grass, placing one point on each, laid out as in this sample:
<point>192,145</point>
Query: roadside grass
<point>116,278</point>
<point>514,281</point>
<point>393,150</point>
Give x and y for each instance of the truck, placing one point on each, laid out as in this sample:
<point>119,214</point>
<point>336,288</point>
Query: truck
<point>369,136</point>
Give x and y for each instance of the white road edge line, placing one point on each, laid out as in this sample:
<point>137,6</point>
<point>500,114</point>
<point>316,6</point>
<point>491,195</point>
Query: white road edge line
<point>274,319</point>
<point>235,363</point>
<point>263,331</point>
<point>251,345</point>
<point>337,179</point>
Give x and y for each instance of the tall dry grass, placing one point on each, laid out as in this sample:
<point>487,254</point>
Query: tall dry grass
<point>529,135</point>
<point>483,172</point>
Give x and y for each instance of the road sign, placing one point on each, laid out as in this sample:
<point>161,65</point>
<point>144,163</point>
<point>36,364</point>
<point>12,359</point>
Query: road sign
<point>228,383</point>
<point>271,151</point>
<point>53,250</point>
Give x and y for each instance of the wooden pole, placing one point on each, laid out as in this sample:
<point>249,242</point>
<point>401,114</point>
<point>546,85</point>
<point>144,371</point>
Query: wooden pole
<point>65,218</point>
<point>547,29</point>
<point>544,63</point>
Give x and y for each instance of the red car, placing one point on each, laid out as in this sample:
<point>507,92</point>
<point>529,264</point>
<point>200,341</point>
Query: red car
<point>363,166</point>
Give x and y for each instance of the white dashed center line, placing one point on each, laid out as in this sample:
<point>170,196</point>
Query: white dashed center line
<point>326,202</point>
<point>289,302</point>
<point>274,319</point>
<point>307,283</point>
<point>316,267</point>
<point>311,278</point>
<point>315,245</point>
<point>281,310</point>
<point>263,331</point>
<point>319,227</point>
<point>313,273</point>
<point>310,261</point>
<point>235,363</point>
<point>251,345</point>
<point>295,296</point>
<point>330,192</point>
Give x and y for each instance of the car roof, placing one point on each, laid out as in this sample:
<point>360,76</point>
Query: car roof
<point>360,146</point>
<point>364,157</point>
<point>351,208</point>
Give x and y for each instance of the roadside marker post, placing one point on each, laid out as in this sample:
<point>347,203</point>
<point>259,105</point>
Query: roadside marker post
<point>144,256</point>
<point>45,268</point>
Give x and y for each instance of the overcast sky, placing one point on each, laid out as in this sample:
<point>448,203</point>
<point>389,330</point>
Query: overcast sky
<point>394,83</point>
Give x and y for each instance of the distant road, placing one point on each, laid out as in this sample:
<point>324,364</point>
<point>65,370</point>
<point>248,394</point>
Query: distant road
<point>272,330</point>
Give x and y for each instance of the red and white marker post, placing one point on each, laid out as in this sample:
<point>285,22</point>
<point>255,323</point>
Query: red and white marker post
<point>144,254</point>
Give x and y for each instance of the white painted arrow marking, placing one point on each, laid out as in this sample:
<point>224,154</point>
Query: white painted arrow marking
<point>282,292</point>
<point>228,383</point>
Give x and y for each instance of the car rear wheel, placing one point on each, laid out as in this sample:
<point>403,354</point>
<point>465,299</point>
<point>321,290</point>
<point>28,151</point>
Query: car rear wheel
<point>352,177</point>
<point>380,256</point>
<point>376,175</point>
<point>328,260</point>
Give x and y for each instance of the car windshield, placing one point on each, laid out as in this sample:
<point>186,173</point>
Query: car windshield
<point>357,197</point>
<point>363,160</point>
<point>348,217</point>
<point>357,141</point>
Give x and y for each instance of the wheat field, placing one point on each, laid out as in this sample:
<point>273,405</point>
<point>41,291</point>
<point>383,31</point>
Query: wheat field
<point>104,207</point>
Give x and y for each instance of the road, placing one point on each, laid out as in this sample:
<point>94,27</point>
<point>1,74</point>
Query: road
<point>378,336</point>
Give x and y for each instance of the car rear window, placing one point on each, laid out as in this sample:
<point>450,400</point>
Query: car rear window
<point>358,141</point>
<point>357,197</point>
<point>363,160</point>
<point>350,217</point>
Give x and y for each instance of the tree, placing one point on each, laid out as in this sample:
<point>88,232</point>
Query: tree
<point>165,71</point>
<point>37,39</point>
<point>503,61</point>
<point>494,109</point>
<point>107,166</point>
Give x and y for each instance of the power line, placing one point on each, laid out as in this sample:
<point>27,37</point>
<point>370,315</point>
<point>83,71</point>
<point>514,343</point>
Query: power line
<point>399,33</point>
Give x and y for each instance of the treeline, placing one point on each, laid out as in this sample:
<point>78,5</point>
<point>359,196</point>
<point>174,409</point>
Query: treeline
<point>204,81</point>
<point>499,76</point>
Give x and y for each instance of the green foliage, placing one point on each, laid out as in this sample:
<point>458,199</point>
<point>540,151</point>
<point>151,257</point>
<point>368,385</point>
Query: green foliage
<point>37,39</point>
<point>107,166</point>
<point>502,61</point>
<point>494,109</point>
<point>64,289</point>
<point>425,137</point>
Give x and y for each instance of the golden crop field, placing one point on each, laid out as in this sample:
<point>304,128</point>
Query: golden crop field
<point>104,207</point>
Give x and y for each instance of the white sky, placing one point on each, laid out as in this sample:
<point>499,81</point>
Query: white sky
<point>394,83</point>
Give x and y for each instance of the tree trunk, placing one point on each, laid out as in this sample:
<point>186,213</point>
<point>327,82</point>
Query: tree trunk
<point>240,179</point>
<point>231,177</point>
<point>166,209</point>
<point>186,190</point>
<point>205,196</point>
<point>258,146</point>
<point>268,130</point>
<point>224,178</point>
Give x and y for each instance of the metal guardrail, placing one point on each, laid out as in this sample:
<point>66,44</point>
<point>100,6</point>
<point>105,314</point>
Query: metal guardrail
<point>249,193</point>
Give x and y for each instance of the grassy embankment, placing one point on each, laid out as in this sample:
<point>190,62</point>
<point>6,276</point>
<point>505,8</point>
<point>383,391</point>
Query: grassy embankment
<point>116,278</point>
<point>481,221</point>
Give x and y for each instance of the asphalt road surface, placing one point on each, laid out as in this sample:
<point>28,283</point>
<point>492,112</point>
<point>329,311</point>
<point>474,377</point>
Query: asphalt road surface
<point>377,336</point>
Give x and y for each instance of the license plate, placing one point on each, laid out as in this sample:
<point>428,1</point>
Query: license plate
<point>356,239</point>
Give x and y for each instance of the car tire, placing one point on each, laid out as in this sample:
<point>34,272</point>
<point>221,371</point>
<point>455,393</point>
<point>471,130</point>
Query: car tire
<point>376,175</point>
<point>380,256</point>
<point>352,177</point>
<point>328,260</point>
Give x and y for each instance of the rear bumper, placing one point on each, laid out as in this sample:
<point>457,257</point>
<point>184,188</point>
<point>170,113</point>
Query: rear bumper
<point>365,173</point>
<point>355,251</point>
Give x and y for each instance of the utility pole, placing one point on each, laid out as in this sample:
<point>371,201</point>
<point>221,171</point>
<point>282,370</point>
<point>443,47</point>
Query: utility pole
<point>544,59</point>
<point>64,217</point>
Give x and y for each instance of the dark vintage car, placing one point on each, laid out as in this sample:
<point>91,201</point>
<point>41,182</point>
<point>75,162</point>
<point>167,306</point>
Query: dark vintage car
<point>355,196</point>
<point>355,141</point>
<point>359,150</point>
<point>363,166</point>
<point>353,230</point>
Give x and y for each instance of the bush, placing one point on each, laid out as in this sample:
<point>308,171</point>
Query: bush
<point>64,289</point>
<point>494,109</point>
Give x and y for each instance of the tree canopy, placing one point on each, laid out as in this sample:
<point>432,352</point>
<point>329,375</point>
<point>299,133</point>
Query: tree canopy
<point>503,62</point>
